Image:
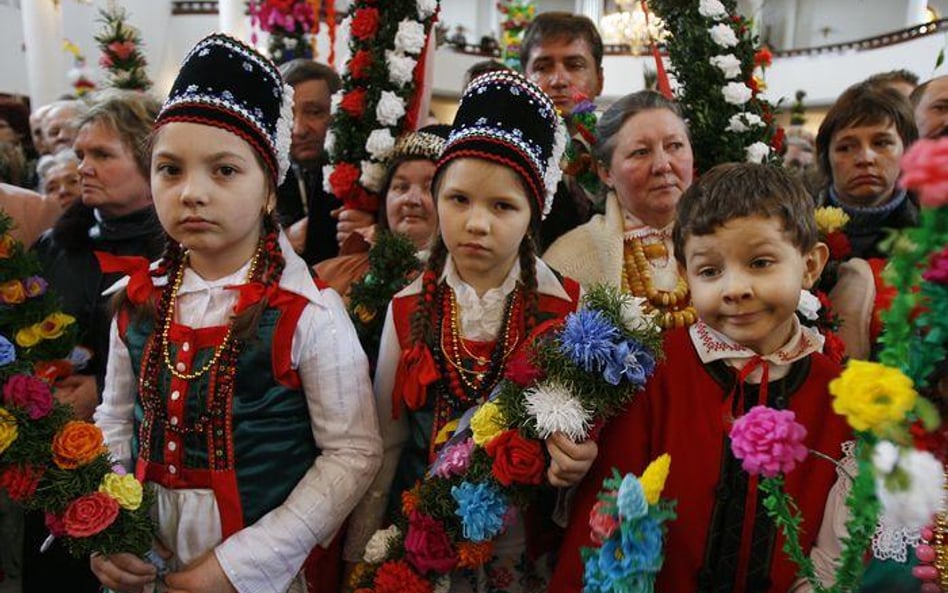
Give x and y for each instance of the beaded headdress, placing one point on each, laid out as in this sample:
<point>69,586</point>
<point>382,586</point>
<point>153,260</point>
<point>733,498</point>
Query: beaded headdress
<point>506,119</point>
<point>227,84</point>
<point>426,143</point>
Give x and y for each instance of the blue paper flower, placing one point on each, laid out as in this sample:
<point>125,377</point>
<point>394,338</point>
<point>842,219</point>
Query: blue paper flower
<point>587,339</point>
<point>614,563</point>
<point>631,499</point>
<point>481,509</point>
<point>629,360</point>
<point>7,351</point>
<point>594,580</point>
<point>642,545</point>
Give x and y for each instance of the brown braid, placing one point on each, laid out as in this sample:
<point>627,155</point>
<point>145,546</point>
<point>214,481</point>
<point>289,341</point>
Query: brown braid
<point>269,271</point>
<point>421,321</point>
<point>528,281</point>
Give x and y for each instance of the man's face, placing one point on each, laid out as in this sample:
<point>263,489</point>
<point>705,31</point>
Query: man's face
<point>931,115</point>
<point>563,67</point>
<point>311,102</point>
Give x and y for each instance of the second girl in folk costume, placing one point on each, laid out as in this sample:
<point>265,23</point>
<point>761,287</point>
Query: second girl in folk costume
<point>449,335</point>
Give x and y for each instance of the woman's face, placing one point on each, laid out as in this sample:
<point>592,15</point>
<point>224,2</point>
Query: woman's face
<point>865,163</point>
<point>109,176</point>
<point>409,207</point>
<point>651,166</point>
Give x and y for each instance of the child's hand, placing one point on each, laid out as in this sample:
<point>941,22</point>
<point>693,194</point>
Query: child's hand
<point>569,461</point>
<point>126,573</point>
<point>203,576</point>
<point>79,392</point>
<point>296,233</point>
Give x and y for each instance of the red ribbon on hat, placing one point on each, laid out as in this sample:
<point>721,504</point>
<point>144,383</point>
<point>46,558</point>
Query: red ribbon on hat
<point>664,87</point>
<point>140,285</point>
<point>416,371</point>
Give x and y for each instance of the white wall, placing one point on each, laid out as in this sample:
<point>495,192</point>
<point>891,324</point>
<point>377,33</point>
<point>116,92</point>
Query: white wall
<point>13,64</point>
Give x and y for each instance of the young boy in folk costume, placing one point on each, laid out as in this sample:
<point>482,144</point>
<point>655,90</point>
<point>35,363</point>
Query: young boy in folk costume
<point>235,385</point>
<point>746,238</point>
<point>449,334</point>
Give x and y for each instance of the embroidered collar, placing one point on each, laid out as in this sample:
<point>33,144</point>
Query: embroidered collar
<point>712,345</point>
<point>635,228</point>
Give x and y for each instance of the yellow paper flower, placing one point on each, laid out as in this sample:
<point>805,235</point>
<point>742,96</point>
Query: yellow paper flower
<point>8,429</point>
<point>654,476</point>
<point>125,489</point>
<point>54,325</point>
<point>487,423</point>
<point>871,395</point>
<point>830,219</point>
<point>7,243</point>
<point>12,292</point>
<point>28,337</point>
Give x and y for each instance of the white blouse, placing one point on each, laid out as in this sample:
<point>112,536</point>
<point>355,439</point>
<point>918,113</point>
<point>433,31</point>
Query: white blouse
<point>267,556</point>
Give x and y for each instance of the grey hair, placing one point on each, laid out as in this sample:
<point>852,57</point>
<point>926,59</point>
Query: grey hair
<point>628,106</point>
<point>47,162</point>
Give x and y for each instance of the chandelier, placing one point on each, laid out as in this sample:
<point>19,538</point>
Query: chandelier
<point>627,26</point>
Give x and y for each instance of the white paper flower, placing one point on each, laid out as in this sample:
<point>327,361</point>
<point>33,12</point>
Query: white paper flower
<point>743,122</point>
<point>723,35</point>
<point>334,101</point>
<point>284,133</point>
<point>373,174</point>
<point>757,152</point>
<point>555,409</point>
<point>401,68</point>
<point>329,142</point>
<point>327,171</point>
<point>712,9</point>
<point>884,457</point>
<point>809,306</point>
<point>911,499</point>
<point>633,315</point>
<point>736,93</point>
<point>410,37</point>
<point>380,144</point>
<point>426,8</point>
<point>378,544</point>
<point>728,64</point>
<point>443,584</point>
<point>390,109</point>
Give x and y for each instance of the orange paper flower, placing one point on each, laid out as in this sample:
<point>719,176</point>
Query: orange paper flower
<point>474,554</point>
<point>12,292</point>
<point>409,501</point>
<point>77,444</point>
<point>6,246</point>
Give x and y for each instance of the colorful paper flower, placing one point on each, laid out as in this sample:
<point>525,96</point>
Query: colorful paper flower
<point>427,546</point>
<point>124,488</point>
<point>517,460</point>
<point>77,444</point>
<point>359,64</point>
<point>757,152</point>
<point>923,170</point>
<point>937,271</point>
<point>90,514</point>
<point>8,429</point>
<point>871,395</point>
<point>365,23</point>
<point>7,351</point>
<point>630,500</point>
<point>54,325</point>
<point>728,64</point>
<point>343,178</point>
<point>486,423</point>
<point>830,219</point>
<point>28,337</point>
<point>629,361</point>
<point>736,93</point>
<point>474,554</point>
<point>654,477</point>
<point>353,103</point>
<point>12,292</point>
<point>379,543</point>
<point>30,394</point>
<point>912,489</point>
<point>554,409</point>
<point>712,9</point>
<point>602,522</point>
<point>723,35</point>
<point>401,68</point>
<point>410,37</point>
<point>587,339</point>
<point>481,509</point>
<point>390,108</point>
<point>768,441</point>
<point>20,481</point>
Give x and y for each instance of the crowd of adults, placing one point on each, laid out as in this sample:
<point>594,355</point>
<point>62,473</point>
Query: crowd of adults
<point>75,179</point>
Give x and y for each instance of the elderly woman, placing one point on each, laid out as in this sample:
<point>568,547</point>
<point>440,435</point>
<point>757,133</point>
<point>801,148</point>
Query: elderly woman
<point>59,177</point>
<point>859,146</point>
<point>645,161</point>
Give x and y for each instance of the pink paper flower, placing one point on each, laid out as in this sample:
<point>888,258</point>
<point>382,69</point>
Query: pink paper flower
<point>122,49</point>
<point>427,545</point>
<point>937,271</point>
<point>925,171</point>
<point>455,459</point>
<point>602,524</point>
<point>768,441</point>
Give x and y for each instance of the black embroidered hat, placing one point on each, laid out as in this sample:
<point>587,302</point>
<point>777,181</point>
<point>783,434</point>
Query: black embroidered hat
<point>505,118</point>
<point>227,84</point>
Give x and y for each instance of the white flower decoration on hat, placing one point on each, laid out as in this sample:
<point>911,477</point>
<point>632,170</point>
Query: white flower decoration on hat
<point>390,109</point>
<point>284,134</point>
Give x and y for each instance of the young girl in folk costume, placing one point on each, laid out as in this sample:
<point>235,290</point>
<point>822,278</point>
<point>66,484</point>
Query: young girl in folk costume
<point>449,334</point>
<point>235,385</point>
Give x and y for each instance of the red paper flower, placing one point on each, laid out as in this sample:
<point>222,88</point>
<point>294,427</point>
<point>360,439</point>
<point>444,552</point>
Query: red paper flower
<point>834,347</point>
<point>427,546</point>
<point>763,57</point>
<point>937,271</point>
<point>90,514</point>
<point>839,246</point>
<point>602,524</point>
<point>398,577</point>
<point>342,179</point>
<point>521,370</point>
<point>516,459</point>
<point>474,554</point>
<point>29,393</point>
<point>20,481</point>
<point>353,103</point>
<point>359,64</point>
<point>122,49</point>
<point>54,523</point>
<point>365,23</point>
<point>925,170</point>
<point>777,141</point>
